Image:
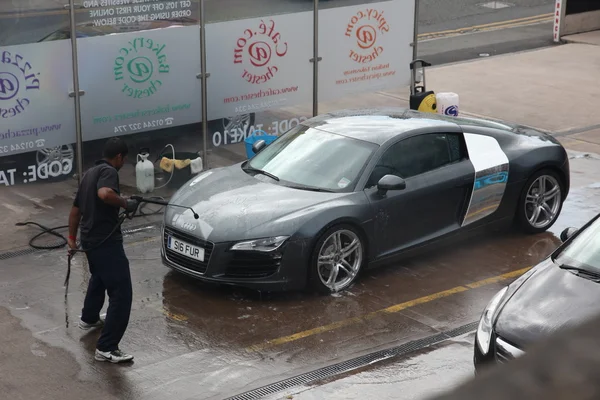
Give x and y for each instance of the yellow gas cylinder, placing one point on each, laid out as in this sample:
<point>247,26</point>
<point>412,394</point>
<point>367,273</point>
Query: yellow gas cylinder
<point>424,102</point>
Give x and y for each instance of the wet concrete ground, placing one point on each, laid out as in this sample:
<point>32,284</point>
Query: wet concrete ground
<point>194,341</point>
<point>418,376</point>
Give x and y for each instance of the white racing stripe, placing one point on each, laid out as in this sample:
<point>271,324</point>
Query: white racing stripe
<point>491,176</point>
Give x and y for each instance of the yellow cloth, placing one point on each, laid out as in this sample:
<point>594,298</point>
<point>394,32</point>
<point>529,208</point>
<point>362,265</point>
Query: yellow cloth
<point>167,164</point>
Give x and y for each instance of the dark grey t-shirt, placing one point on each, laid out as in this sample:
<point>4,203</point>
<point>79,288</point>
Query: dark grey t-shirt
<point>98,219</point>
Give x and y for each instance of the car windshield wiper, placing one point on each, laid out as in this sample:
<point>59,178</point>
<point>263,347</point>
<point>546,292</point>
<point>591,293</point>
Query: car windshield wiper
<point>584,273</point>
<point>311,188</point>
<point>260,171</point>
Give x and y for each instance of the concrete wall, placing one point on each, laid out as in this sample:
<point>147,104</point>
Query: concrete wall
<point>576,16</point>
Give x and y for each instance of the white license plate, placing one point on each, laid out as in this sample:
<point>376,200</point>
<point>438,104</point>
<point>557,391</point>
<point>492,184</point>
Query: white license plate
<point>186,249</point>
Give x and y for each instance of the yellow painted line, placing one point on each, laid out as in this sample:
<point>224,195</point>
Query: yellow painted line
<point>173,316</point>
<point>481,30</point>
<point>493,25</point>
<point>426,299</point>
<point>512,23</point>
<point>163,310</point>
<point>389,310</point>
<point>496,279</point>
<point>142,241</point>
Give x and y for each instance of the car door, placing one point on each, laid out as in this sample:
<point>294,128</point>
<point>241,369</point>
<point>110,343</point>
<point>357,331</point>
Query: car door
<point>439,180</point>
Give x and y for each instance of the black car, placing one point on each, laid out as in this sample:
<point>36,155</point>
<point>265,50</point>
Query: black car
<point>349,190</point>
<point>561,291</point>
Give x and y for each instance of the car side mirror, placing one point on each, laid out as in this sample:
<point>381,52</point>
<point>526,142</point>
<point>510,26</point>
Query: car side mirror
<point>258,146</point>
<point>390,182</point>
<point>567,234</point>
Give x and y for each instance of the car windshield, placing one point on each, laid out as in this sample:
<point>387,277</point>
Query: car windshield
<point>312,158</point>
<point>584,251</point>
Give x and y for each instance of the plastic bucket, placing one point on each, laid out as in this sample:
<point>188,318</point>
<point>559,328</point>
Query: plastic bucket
<point>253,138</point>
<point>179,176</point>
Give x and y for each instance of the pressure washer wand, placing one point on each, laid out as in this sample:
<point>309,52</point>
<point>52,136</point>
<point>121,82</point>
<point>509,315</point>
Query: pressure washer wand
<point>163,203</point>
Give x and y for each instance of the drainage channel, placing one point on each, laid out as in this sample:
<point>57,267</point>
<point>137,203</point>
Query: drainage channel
<point>30,250</point>
<point>358,362</point>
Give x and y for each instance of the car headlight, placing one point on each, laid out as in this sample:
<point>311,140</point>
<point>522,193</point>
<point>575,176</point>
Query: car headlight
<point>266,244</point>
<point>484,331</point>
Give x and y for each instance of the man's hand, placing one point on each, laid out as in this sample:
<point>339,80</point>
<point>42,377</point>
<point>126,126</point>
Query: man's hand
<point>74,218</point>
<point>132,205</point>
<point>72,243</point>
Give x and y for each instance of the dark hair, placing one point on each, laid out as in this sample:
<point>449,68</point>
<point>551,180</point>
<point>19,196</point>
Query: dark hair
<point>114,147</point>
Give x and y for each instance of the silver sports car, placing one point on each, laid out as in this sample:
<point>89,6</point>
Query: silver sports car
<point>350,190</point>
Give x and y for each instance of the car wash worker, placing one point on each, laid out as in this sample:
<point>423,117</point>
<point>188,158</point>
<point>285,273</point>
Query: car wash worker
<point>96,210</point>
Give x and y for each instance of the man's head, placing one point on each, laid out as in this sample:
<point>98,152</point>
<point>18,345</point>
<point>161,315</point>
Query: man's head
<point>115,152</point>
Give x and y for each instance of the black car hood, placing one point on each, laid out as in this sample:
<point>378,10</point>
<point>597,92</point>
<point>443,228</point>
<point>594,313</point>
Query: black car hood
<point>233,205</point>
<point>553,298</point>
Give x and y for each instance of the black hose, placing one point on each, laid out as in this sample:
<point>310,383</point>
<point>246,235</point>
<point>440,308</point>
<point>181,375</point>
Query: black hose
<point>46,231</point>
<point>153,212</point>
<point>52,231</point>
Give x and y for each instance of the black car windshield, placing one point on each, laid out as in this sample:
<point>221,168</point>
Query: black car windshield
<point>584,251</point>
<point>314,158</point>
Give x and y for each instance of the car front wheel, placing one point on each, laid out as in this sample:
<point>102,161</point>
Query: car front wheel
<point>337,259</point>
<point>541,202</point>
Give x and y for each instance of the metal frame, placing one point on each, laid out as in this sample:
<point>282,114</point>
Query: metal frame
<point>204,75</point>
<point>76,91</point>
<point>315,60</point>
<point>416,31</point>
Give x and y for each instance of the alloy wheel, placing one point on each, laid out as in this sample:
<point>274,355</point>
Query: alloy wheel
<point>543,201</point>
<point>233,125</point>
<point>48,155</point>
<point>58,153</point>
<point>340,258</point>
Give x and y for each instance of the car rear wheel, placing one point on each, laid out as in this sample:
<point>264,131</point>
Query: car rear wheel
<point>541,202</point>
<point>337,259</point>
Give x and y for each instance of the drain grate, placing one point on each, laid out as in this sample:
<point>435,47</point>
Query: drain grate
<point>461,330</point>
<point>31,250</point>
<point>345,366</point>
<point>18,253</point>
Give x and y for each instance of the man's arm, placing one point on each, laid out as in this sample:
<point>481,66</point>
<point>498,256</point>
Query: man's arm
<point>110,197</point>
<point>108,188</point>
<point>74,218</point>
<point>108,191</point>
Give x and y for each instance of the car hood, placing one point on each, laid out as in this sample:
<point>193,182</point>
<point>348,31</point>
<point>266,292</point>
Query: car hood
<point>233,206</point>
<point>553,298</point>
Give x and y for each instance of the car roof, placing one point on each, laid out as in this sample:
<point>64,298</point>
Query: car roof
<point>378,125</point>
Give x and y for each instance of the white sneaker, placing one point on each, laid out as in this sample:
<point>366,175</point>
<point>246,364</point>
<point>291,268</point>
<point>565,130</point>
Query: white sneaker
<point>86,327</point>
<point>115,356</point>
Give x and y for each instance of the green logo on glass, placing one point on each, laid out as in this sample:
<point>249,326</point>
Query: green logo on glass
<point>140,65</point>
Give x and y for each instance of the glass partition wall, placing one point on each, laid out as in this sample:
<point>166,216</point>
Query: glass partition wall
<point>37,114</point>
<point>189,84</point>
